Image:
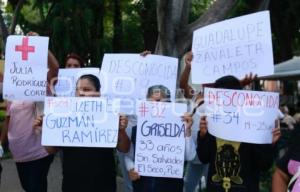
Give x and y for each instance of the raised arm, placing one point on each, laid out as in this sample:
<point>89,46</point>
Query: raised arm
<point>184,78</point>
<point>249,78</point>
<point>190,147</point>
<point>53,66</point>
<point>123,139</point>
<point>52,62</point>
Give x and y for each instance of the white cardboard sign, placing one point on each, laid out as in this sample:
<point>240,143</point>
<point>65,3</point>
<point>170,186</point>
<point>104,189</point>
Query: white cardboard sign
<point>243,116</point>
<point>160,142</point>
<point>235,46</point>
<point>130,75</point>
<point>25,74</point>
<point>79,121</point>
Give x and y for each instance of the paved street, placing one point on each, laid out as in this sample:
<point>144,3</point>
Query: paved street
<point>10,181</point>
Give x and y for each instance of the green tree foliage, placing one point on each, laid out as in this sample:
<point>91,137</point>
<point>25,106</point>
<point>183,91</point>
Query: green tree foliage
<point>76,26</point>
<point>85,27</point>
<point>91,28</point>
<point>146,10</point>
<point>198,7</point>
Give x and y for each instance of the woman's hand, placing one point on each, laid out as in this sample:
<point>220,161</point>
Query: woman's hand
<point>123,139</point>
<point>188,59</point>
<point>38,121</point>
<point>203,126</point>
<point>32,33</point>
<point>249,78</point>
<point>37,124</point>
<point>145,53</point>
<point>188,119</point>
<point>133,175</point>
<point>276,132</point>
<point>123,122</point>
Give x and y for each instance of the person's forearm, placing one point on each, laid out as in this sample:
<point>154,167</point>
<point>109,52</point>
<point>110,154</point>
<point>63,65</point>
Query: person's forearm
<point>123,141</point>
<point>185,77</point>
<point>184,82</point>
<point>128,158</point>
<point>279,181</point>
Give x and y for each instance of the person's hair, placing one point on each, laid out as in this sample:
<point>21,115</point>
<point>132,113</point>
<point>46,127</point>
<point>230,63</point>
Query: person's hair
<point>93,79</point>
<point>228,82</point>
<point>164,90</point>
<point>75,56</point>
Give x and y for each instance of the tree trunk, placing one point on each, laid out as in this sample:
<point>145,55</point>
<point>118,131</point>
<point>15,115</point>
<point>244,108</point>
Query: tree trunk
<point>149,24</point>
<point>3,28</point>
<point>174,32</point>
<point>117,38</point>
<point>258,5</point>
<point>97,35</point>
<point>169,14</point>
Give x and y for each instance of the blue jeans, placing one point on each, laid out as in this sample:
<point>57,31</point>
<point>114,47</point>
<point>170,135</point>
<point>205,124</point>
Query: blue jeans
<point>127,182</point>
<point>33,174</point>
<point>192,178</point>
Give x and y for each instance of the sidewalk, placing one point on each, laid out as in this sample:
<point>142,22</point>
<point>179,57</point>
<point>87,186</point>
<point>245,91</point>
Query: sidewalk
<point>10,181</point>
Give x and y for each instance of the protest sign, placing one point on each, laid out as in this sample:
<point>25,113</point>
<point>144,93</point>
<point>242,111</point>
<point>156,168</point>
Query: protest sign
<point>235,46</point>
<point>25,74</point>
<point>160,142</point>
<point>130,75</point>
<point>79,121</point>
<point>67,78</point>
<point>243,116</point>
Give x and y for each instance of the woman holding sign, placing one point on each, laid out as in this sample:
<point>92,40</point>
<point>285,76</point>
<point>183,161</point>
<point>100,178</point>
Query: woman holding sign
<point>287,174</point>
<point>159,93</point>
<point>195,168</point>
<point>234,166</point>
<point>32,160</point>
<point>90,168</point>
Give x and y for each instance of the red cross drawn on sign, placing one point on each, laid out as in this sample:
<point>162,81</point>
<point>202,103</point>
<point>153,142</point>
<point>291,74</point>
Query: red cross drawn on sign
<point>24,48</point>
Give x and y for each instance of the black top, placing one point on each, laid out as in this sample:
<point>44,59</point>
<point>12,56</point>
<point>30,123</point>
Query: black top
<point>232,165</point>
<point>154,184</point>
<point>88,169</point>
<point>290,162</point>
